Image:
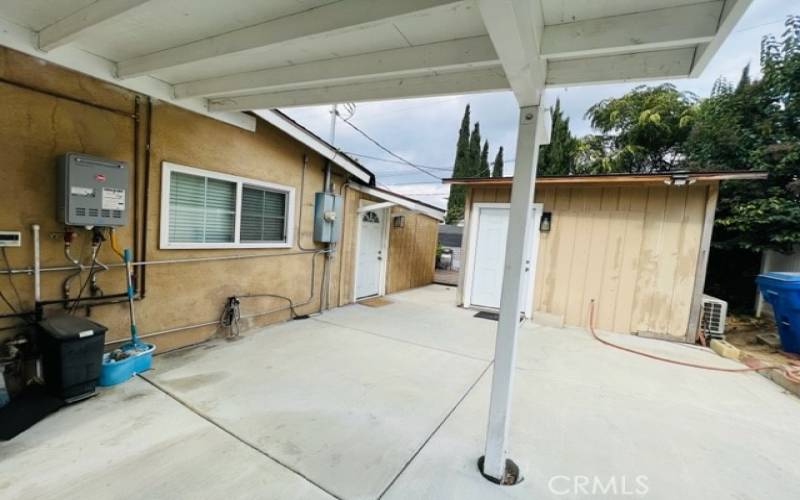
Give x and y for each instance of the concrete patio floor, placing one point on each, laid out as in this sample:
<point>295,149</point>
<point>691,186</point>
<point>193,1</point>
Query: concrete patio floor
<point>391,402</point>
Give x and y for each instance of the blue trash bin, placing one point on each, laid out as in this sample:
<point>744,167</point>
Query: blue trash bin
<point>782,291</point>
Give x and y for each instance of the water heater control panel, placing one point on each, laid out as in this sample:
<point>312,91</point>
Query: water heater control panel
<point>92,191</point>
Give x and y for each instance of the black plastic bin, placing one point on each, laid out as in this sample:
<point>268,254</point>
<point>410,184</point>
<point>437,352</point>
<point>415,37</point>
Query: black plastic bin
<point>72,353</point>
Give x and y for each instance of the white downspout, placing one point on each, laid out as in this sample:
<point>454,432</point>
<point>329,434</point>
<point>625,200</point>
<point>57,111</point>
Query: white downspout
<point>37,266</point>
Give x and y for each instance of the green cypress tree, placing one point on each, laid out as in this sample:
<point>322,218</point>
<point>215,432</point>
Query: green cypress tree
<point>474,152</point>
<point>558,157</point>
<point>484,164</point>
<point>497,170</point>
<point>455,203</point>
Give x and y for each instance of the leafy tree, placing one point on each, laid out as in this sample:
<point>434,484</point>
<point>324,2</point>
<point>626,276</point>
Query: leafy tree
<point>497,167</point>
<point>474,152</point>
<point>594,154</point>
<point>558,157</point>
<point>756,125</point>
<point>483,170</point>
<point>727,125</point>
<point>461,167</point>
<point>645,128</point>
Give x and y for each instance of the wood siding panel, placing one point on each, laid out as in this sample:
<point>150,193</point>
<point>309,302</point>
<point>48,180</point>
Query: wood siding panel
<point>412,252</point>
<point>649,253</point>
<point>629,273</point>
<point>686,271</point>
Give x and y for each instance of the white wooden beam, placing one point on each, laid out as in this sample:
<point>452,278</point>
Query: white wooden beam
<point>397,199</point>
<point>320,21</point>
<point>71,27</point>
<point>731,14</point>
<point>375,206</point>
<point>462,82</point>
<point>515,27</point>
<point>24,40</point>
<point>467,53</point>
<point>656,65</point>
<point>512,295</point>
<point>656,29</point>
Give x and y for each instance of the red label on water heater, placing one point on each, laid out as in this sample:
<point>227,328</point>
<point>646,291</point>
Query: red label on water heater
<point>100,178</point>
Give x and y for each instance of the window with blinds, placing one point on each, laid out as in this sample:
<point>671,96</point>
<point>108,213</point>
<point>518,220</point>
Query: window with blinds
<point>212,210</point>
<point>202,210</point>
<point>263,215</point>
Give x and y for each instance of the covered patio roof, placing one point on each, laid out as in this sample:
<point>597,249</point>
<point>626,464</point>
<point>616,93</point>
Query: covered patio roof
<point>259,55</point>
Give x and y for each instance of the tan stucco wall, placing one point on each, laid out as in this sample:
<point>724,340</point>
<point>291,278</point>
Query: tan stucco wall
<point>36,127</point>
<point>634,250</point>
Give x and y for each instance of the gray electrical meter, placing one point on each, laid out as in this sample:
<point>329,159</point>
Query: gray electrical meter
<point>327,217</point>
<point>92,191</point>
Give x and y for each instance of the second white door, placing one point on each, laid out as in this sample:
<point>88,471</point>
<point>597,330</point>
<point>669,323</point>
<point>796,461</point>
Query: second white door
<point>370,253</point>
<point>487,263</point>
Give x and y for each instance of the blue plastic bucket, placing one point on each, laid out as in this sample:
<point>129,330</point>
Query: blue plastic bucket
<point>113,372</point>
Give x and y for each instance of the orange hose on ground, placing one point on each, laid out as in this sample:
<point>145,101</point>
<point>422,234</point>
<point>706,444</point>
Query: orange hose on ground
<point>791,372</point>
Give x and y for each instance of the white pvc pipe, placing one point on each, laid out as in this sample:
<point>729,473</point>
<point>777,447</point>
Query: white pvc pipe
<point>37,265</point>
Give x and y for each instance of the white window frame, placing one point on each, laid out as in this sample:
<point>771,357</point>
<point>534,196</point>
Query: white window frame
<point>166,173</point>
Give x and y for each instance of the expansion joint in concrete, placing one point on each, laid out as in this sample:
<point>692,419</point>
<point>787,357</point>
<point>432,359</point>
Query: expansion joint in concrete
<point>243,441</point>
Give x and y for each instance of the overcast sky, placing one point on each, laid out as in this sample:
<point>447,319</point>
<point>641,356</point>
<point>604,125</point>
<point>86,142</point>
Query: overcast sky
<point>425,130</point>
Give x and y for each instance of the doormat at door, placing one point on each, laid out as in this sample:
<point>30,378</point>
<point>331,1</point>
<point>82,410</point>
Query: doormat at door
<point>376,302</point>
<point>487,315</point>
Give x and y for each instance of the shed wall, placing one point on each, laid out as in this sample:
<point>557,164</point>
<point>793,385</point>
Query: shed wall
<point>412,251</point>
<point>632,249</point>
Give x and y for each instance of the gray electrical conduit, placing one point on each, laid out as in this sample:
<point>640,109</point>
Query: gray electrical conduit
<point>246,316</point>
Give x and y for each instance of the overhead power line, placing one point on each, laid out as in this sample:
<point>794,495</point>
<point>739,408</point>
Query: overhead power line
<point>389,151</point>
<point>399,159</point>
<point>427,167</point>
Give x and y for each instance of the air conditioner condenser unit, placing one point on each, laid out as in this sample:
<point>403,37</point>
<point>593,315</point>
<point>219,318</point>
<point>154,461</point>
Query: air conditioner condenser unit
<point>713,319</point>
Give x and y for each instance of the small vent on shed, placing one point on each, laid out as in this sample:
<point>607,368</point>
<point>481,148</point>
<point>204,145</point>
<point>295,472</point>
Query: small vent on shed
<point>714,313</point>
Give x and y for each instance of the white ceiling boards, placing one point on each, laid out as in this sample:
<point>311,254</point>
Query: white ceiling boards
<point>222,58</point>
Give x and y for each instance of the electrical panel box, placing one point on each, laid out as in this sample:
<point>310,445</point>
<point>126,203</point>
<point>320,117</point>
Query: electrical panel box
<point>327,217</point>
<point>92,191</point>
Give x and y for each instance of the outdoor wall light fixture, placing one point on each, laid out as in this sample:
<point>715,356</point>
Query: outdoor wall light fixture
<point>546,222</point>
<point>399,221</point>
<point>679,179</point>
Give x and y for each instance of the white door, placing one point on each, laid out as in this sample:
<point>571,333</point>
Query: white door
<point>488,258</point>
<point>370,253</point>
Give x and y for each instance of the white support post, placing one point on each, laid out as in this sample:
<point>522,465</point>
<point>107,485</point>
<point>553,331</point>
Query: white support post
<point>494,464</point>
